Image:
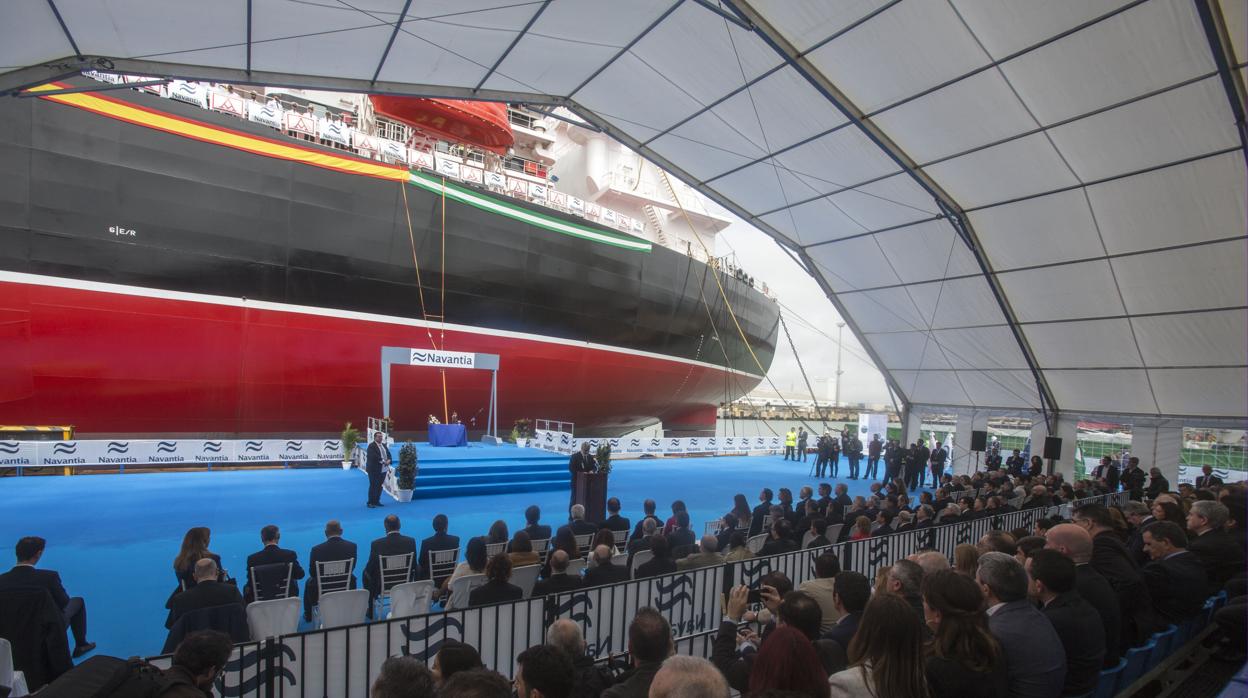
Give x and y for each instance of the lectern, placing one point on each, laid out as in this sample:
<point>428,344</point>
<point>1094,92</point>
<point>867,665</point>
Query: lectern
<point>591,492</point>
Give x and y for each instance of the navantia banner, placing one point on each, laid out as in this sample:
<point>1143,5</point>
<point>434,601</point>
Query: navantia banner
<point>155,452</point>
<point>443,359</point>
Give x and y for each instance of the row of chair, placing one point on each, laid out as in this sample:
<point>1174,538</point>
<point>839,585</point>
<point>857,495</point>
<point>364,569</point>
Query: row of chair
<point>1138,661</point>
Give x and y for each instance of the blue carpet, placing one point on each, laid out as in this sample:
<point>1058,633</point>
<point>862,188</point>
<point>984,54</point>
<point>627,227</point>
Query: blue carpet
<point>113,537</point>
<point>486,470</point>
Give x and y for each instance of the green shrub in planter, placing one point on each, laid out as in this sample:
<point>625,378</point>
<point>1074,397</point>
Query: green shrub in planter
<point>406,472</point>
<point>350,439</point>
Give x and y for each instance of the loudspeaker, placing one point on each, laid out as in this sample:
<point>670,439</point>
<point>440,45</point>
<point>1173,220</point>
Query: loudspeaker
<point>979,441</point>
<point>1052,448</point>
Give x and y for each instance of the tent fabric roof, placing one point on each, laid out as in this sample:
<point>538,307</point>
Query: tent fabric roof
<point>1018,204</point>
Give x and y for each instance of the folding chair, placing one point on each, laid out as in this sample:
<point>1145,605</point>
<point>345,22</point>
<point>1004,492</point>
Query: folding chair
<point>270,582</point>
<point>807,537</point>
<point>834,532</point>
<point>395,570</point>
<point>711,528</point>
<point>541,546</point>
<point>621,539</point>
<point>766,523</point>
<point>755,543</point>
<point>583,541</point>
<point>492,549</point>
<point>14,680</point>
<point>461,588</point>
<point>341,608</point>
<point>273,618</point>
<point>441,564</point>
<point>334,575</point>
<point>576,566</point>
<point>639,558</point>
<point>411,598</point>
<point>525,577</point>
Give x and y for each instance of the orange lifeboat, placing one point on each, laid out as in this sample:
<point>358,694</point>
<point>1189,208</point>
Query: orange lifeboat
<point>483,124</point>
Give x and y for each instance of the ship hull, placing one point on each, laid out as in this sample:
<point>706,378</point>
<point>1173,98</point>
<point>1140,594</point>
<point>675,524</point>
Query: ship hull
<point>152,282</point>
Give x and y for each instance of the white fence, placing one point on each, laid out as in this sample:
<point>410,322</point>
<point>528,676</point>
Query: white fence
<point>141,452</point>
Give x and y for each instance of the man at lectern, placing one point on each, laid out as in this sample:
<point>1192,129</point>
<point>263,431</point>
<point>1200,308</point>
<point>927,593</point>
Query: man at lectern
<point>377,462</point>
<point>581,462</point>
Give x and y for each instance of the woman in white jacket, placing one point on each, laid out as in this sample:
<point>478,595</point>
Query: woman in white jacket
<point>886,654</point>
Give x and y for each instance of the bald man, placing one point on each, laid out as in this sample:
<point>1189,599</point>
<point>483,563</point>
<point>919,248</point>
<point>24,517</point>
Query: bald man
<point>688,677</point>
<point>1076,543</point>
<point>588,679</point>
<point>931,561</point>
<point>604,571</point>
<point>706,556</point>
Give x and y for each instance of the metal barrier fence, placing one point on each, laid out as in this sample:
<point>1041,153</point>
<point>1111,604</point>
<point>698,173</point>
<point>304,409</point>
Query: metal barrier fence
<point>344,661</point>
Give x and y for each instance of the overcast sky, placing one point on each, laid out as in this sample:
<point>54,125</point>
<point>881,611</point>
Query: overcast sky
<point>762,258</point>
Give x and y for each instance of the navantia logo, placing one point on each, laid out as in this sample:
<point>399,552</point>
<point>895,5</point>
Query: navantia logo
<point>294,446</point>
<point>167,447</point>
<point>254,446</point>
<point>118,446</point>
<point>65,448</point>
<point>212,447</point>
<point>9,447</point>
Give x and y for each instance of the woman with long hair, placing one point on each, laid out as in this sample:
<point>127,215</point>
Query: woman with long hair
<point>194,548</point>
<point>498,532</point>
<point>474,563</point>
<point>564,540</point>
<point>741,506</point>
<point>521,551</point>
<point>885,656</point>
<point>862,528</point>
<point>966,559</point>
<point>963,658</point>
<point>677,507</point>
<point>787,661</point>
<point>604,536</point>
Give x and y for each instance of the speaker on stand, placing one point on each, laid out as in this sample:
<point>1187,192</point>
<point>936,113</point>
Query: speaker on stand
<point>1052,450</point>
<point>979,444</point>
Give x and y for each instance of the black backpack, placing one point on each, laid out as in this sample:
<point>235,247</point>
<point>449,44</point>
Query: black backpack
<point>110,677</point>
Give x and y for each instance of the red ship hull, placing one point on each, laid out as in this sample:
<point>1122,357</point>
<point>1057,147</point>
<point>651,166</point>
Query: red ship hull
<point>127,360</point>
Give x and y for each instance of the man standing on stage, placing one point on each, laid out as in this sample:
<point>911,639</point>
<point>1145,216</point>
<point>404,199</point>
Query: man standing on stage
<point>376,464</point>
<point>854,449</point>
<point>801,444</point>
<point>873,457</point>
<point>1015,464</point>
<point>938,458</point>
<point>581,462</point>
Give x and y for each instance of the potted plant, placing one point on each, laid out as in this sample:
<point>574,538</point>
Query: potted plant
<point>604,457</point>
<point>520,432</point>
<point>405,474</point>
<point>350,439</point>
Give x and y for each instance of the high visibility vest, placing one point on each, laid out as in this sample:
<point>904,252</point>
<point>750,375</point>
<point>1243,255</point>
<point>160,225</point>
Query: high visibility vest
<point>790,439</point>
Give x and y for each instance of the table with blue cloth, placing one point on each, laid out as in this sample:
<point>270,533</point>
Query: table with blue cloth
<point>448,435</point>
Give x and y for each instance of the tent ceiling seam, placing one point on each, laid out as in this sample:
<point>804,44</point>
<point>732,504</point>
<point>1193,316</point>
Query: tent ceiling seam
<point>511,46</point>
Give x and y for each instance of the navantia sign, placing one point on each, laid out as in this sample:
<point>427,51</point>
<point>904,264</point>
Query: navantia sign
<point>443,359</point>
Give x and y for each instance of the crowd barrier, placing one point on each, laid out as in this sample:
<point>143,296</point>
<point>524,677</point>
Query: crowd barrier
<point>140,452</point>
<point>344,661</point>
<point>565,442</point>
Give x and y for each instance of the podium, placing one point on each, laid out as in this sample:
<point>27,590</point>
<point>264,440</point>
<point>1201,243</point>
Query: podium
<point>591,492</point>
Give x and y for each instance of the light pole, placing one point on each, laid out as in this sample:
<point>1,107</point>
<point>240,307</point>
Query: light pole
<point>840,328</point>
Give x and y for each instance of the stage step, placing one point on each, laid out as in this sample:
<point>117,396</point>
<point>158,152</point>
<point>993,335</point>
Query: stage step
<point>464,489</point>
<point>477,470</point>
<point>491,469</point>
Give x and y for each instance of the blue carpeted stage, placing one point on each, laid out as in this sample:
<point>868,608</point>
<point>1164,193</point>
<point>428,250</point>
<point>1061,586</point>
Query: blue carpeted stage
<point>478,469</point>
<point>113,537</point>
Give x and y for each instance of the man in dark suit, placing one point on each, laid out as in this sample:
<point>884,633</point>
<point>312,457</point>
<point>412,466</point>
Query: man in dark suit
<point>1175,578</point>
<point>440,540</point>
<point>1111,559</point>
<point>825,499</point>
<point>614,521</point>
<point>498,587</point>
<point>603,572</point>
<point>648,508</point>
<point>1139,516</point>
<point>581,462</point>
<point>780,539</point>
<point>1157,484</point>
<point>393,543</point>
<point>1015,463</point>
<point>854,451</point>
<point>1075,543</point>
<point>850,594</point>
<point>1222,557</point>
<point>578,524</point>
<point>840,502</point>
<point>1035,660</point>
<point>681,536</point>
<point>763,509</point>
<point>819,527</point>
<point>874,450</point>
<point>1075,621</point>
<point>559,580</point>
<point>376,464</point>
<point>1133,479</point>
<point>1207,479</point>
<point>25,576</point>
<point>334,549</point>
<point>271,554</point>
<point>936,462</point>
<point>535,530</point>
<point>206,593</point>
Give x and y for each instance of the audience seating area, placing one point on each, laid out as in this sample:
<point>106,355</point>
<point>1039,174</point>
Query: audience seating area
<point>598,581</point>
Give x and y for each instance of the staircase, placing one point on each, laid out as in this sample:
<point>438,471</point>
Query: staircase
<point>479,470</point>
<point>656,225</point>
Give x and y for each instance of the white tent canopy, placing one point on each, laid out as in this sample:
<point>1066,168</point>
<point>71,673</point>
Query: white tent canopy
<point>1023,205</point>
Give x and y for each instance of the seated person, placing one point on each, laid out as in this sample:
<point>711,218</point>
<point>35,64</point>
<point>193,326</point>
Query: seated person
<point>271,554</point>
<point>25,576</point>
<point>497,587</point>
<point>681,535</point>
<point>474,563</point>
<point>738,549</point>
<point>727,526</point>
<point>535,530</point>
<point>559,580</point>
<point>522,551</point>
<point>781,540</point>
<point>578,524</point>
<point>1176,578</point>
<point>440,540</point>
<point>334,549</point>
<point>615,522</point>
<point>604,571</point>
<point>819,527</point>
<point>197,662</point>
<point>393,543</point>
<point>662,562</point>
<point>206,593</point>
<point>706,556</point>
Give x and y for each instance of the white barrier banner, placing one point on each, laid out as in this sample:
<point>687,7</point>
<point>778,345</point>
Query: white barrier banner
<point>496,179</point>
<point>192,92</point>
<point>447,167</point>
<point>18,453</point>
<point>268,114</point>
<point>393,149</point>
<point>473,175</point>
<point>420,158</point>
<point>299,123</point>
<point>259,450</point>
<point>228,102</point>
<point>1189,473</point>
<point>334,131</point>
